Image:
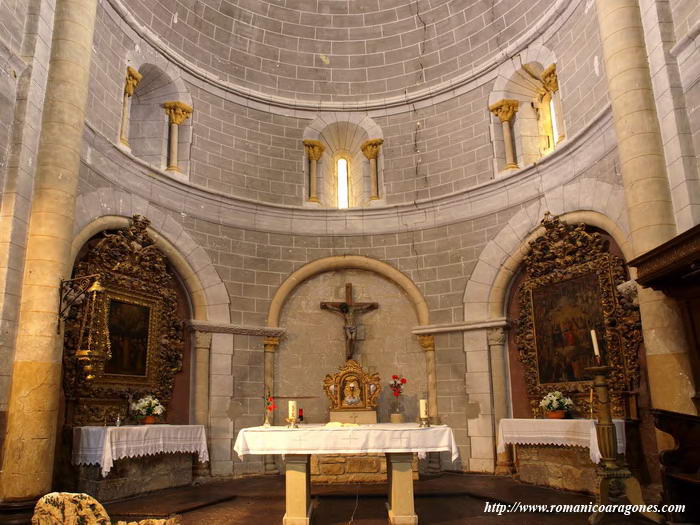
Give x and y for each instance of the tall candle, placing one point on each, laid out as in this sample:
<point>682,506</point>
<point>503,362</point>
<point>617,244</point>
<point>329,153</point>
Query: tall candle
<point>595,344</point>
<point>423,408</point>
<point>292,410</point>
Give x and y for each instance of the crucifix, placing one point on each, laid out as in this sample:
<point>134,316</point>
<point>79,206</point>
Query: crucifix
<point>349,309</point>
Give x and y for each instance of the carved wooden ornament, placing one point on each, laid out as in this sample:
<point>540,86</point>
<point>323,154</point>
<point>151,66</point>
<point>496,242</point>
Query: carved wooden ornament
<point>570,289</point>
<point>139,306</point>
<point>352,388</point>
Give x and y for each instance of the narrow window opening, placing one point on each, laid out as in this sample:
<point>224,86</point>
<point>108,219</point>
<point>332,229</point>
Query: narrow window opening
<point>342,166</point>
<point>553,119</point>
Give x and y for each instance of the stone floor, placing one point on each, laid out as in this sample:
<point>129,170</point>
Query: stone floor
<point>451,499</point>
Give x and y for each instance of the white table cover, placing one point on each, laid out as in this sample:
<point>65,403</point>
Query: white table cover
<point>563,432</point>
<point>319,439</point>
<point>104,445</point>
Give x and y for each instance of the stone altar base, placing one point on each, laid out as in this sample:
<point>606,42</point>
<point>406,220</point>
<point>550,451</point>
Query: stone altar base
<point>568,468</point>
<point>352,468</point>
<point>131,476</point>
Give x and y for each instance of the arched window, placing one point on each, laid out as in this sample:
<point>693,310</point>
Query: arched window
<point>343,183</point>
<point>527,122</point>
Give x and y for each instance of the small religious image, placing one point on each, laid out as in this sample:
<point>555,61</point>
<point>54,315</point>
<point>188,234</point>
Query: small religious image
<point>564,315</point>
<point>128,335</point>
<point>352,393</point>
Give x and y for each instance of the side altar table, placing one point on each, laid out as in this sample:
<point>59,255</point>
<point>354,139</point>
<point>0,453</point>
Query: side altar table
<point>116,462</point>
<point>397,441</point>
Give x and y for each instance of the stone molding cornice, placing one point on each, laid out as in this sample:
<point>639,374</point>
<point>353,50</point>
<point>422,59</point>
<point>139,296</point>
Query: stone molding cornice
<point>481,73</point>
<point>687,40</point>
<point>116,165</point>
<point>460,327</point>
<point>226,328</point>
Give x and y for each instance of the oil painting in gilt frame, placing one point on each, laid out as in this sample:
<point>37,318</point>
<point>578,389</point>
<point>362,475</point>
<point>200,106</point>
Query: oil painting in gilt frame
<point>571,288</point>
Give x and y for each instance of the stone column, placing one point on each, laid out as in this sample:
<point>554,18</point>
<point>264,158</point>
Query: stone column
<point>177,113</point>
<point>496,338</point>
<point>504,109</point>
<point>314,150</point>
<point>647,193</point>
<point>371,149</point>
<point>133,78</point>
<point>36,373</point>
<point>550,81</point>
<point>202,348</point>
<point>428,344</point>
<point>270,344</point>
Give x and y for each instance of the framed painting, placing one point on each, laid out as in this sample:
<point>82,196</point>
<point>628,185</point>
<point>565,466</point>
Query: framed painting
<point>571,288</point>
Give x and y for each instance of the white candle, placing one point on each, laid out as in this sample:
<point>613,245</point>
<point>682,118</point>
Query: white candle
<point>595,343</point>
<point>423,408</point>
<point>292,410</point>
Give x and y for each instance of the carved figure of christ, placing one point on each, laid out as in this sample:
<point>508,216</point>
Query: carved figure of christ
<point>349,310</point>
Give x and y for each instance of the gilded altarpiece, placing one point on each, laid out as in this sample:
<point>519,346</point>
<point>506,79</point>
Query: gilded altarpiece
<point>570,288</point>
<point>133,327</point>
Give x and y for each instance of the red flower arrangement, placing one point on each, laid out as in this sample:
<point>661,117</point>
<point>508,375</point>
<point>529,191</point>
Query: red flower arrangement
<point>269,403</point>
<point>396,385</point>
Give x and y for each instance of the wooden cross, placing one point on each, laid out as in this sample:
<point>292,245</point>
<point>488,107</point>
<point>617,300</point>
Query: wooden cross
<point>349,309</point>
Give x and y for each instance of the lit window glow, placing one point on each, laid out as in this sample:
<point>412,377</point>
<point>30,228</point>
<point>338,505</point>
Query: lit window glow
<point>342,183</point>
<point>553,118</point>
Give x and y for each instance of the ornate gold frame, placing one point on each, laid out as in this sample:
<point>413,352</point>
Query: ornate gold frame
<point>370,387</point>
<point>131,269</point>
<point>567,252</point>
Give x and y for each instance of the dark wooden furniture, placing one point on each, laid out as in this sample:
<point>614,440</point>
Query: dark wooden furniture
<point>680,467</point>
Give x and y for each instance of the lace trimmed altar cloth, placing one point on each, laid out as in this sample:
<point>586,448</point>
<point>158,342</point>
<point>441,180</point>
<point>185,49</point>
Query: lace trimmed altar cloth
<point>562,432</point>
<point>104,445</point>
<point>321,439</point>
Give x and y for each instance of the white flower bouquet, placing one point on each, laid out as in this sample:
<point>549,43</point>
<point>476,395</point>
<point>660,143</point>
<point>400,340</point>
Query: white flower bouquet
<point>147,406</point>
<point>556,401</point>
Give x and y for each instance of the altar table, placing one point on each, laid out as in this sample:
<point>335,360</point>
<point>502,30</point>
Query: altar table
<point>563,432</point>
<point>104,445</point>
<point>397,441</point>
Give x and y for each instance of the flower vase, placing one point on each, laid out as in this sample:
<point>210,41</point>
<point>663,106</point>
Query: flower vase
<point>555,414</point>
<point>148,420</point>
<point>396,416</point>
<point>268,414</point>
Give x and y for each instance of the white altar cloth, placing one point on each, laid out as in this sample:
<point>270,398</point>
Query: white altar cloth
<point>562,432</point>
<point>319,439</point>
<point>104,445</point>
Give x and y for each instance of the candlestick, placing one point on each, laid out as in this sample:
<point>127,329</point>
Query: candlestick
<point>423,405</point>
<point>292,409</point>
<point>594,338</point>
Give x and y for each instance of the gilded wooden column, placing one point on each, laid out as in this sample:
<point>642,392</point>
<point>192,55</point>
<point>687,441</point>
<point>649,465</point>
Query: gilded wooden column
<point>177,113</point>
<point>647,193</point>
<point>505,109</point>
<point>371,149</point>
<point>133,78</point>
<point>270,345</point>
<point>314,150</point>
<point>28,457</point>
<point>496,338</point>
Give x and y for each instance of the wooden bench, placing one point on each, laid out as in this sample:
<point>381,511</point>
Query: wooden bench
<point>681,466</point>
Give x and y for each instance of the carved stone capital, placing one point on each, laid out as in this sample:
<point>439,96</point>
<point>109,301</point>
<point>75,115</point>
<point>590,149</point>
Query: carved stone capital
<point>496,336</point>
<point>371,148</point>
<point>629,290</point>
<point>271,343</point>
<point>177,112</point>
<point>549,79</point>
<point>504,109</point>
<point>133,78</point>
<point>427,341</point>
<point>314,149</point>
<point>202,339</point>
